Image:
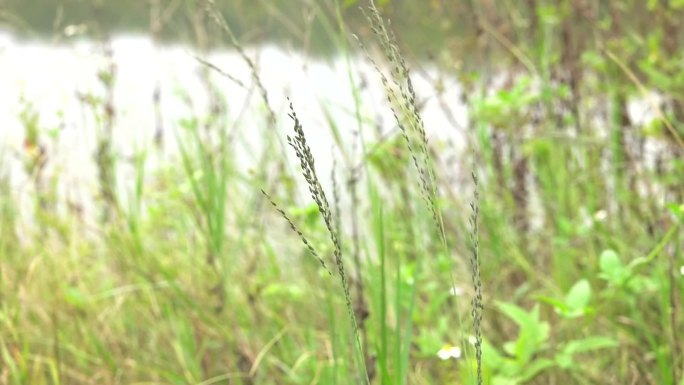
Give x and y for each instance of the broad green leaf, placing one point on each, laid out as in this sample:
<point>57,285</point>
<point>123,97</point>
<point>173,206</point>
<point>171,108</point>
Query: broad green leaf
<point>559,305</point>
<point>578,297</point>
<point>565,358</point>
<point>589,343</point>
<point>516,314</point>
<point>491,356</point>
<point>533,332</point>
<point>612,269</point>
<point>534,368</point>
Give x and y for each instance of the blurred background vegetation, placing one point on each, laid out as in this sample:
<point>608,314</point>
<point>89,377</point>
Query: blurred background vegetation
<point>581,205</point>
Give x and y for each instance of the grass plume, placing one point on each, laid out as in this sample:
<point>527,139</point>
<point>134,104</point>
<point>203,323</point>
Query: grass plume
<point>401,97</point>
<point>306,161</point>
<point>332,223</point>
<point>477,305</point>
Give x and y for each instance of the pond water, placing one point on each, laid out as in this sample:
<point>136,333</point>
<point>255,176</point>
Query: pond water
<point>53,78</point>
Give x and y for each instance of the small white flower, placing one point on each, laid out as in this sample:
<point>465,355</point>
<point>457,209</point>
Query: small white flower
<point>448,351</point>
<point>600,215</point>
<point>456,291</point>
<point>472,340</point>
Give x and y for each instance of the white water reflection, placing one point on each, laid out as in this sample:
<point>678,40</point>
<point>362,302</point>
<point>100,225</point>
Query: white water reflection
<point>52,77</point>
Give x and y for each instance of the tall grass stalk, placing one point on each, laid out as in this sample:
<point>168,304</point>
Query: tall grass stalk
<point>332,222</point>
<point>401,97</point>
<point>308,168</point>
<point>477,305</point>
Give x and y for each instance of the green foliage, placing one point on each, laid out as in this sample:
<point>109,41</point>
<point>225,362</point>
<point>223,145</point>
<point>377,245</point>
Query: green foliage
<point>576,301</point>
<point>527,356</point>
<point>566,359</point>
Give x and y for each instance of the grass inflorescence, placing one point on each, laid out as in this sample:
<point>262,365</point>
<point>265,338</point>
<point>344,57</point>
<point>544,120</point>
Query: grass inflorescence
<point>477,304</point>
<point>401,97</point>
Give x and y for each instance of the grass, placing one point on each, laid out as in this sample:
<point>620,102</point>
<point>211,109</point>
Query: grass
<point>556,261</point>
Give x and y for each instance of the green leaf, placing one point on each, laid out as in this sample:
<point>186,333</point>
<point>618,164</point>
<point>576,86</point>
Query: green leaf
<point>589,344</point>
<point>536,367</point>
<point>565,358</point>
<point>491,356</point>
<point>559,305</point>
<point>533,332</point>
<point>575,304</point>
<point>510,348</point>
<point>578,298</point>
<point>515,313</point>
<point>612,269</point>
